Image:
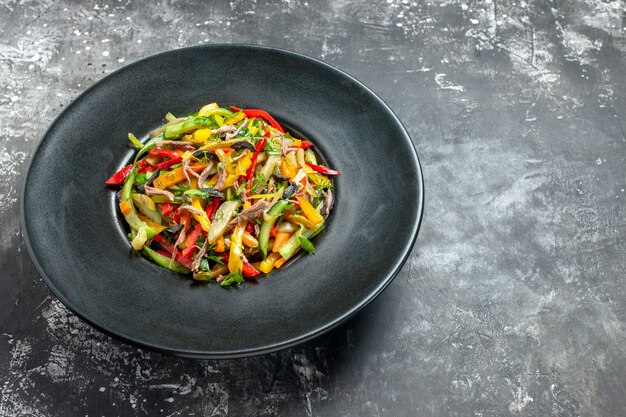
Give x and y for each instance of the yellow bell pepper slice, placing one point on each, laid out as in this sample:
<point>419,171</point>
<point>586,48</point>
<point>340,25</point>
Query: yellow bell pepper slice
<point>203,219</point>
<point>235,119</point>
<point>309,211</point>
<point>262,196</point>
<point>268,263</point>
<point>157,227</point>
<point>251,128</point>
<point>230,180</point>
<point>200,136</point>
<point>235,262</point>
<point>243,164</point>
<point>287,169</point>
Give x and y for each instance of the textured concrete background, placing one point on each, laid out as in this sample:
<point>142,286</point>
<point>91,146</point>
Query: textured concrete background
<point>513,300</point>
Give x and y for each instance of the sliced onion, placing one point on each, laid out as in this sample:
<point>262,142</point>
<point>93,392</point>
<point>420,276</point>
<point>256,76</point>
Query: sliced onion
<point>287,227</point>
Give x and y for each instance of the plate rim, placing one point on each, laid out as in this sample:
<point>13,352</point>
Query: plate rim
<point>266,348</point>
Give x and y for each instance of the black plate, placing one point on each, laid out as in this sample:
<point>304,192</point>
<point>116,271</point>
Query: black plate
<point>78,245</point>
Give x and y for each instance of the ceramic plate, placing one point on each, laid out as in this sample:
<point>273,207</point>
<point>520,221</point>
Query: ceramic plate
<point>78,243</point>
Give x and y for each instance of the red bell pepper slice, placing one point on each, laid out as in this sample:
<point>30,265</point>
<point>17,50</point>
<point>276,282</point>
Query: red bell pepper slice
<point>120,176</point>
<point>247,271</point>
<point>176,217</point>
<point>143,166</point>
<point>185,261</point>
<point>264,115</point>
<point>323,170</point>
<point>212,208</point>
<point>174,158</point>
<point>167,208</point>
<point>250,227</point>
<point>191,240</point>
<point>163,252</point>
<point>234,108</point>
<point>167,164</point>
<point>303,144</point>
<point>259,147</point>
<point>163,153</point>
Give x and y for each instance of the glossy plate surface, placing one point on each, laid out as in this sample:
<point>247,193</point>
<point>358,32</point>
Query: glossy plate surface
<point>78,244</point>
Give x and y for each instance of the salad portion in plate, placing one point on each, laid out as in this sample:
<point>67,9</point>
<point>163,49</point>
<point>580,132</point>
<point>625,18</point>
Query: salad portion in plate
<point>223,194</point>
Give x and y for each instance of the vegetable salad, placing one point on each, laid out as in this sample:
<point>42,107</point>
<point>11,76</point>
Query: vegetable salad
<point>224,194</point>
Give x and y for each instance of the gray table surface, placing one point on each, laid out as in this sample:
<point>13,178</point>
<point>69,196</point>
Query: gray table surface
<point>512,302</point>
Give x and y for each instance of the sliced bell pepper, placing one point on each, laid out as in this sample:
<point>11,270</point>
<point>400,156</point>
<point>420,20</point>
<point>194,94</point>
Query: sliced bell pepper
<point>143,166</point>
<point>169,163</point>
<point>167,208</point>
<point>309,211</point>
<point>158,228</point>
<point>235,119</point>
<point>243,164</point>
<point>163,153</point>
<point>264,115</point>
<point>235,261</point>
<point>201,135</point>
<point>268,263</point>
<point>287,169</point>
<point>125,207</point>
<point>191,240</point>
<point>176,217</point>
<point>250,172</point>
<point>281,239</point>
<point>249,240</point>
<point>220,245</point>
<point>120,175</point>
<point>249,271</point>
<point>303,144</point>
<point>279,262</point>
<point>185,261</point>
<point>322,169</point>
<point>212,208</point>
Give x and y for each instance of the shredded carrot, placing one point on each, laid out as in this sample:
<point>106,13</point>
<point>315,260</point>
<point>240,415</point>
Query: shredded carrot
<point>175,176</point>
<point>250,240</point>
<point>281,239</point>
<point>220,245</point>
<point>279,262</point>
<point>125,207</point>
